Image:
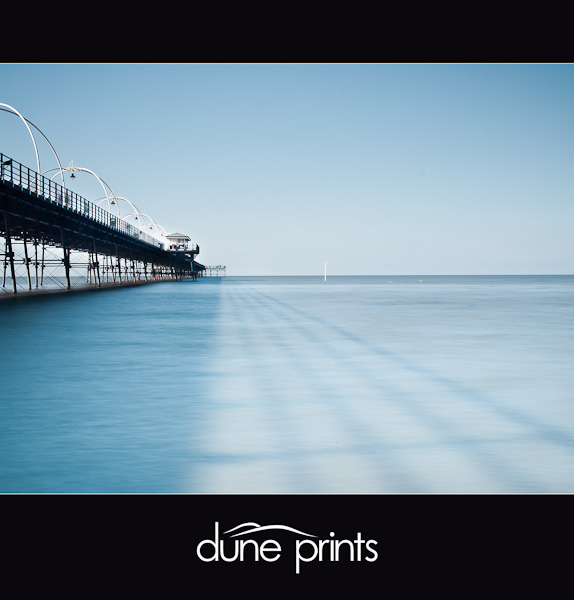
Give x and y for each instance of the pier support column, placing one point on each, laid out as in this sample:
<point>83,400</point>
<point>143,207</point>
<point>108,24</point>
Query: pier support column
<point>36,242</point>
<point>89,267</point>
<point>9,251</point>
<point>133,266</point>
<point>66,260</point>
<point>5,261</point>
<point>43,262</point>
<point>97,263</point>
<point>119,265</point>
<point>27,261</point>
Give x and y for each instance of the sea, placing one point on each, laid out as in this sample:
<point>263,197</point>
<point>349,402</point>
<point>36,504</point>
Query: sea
<point>291,385</point>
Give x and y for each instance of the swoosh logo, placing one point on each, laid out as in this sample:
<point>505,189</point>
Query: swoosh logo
<point>249,524</point>
<point>257,527</point>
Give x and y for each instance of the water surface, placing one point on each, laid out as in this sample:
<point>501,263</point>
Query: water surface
<point>292,385</point>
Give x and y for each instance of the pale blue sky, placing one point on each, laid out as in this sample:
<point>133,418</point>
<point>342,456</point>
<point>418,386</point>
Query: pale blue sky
<point>273,168</point>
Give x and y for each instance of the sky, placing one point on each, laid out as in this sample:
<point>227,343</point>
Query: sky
<point>380,169</point>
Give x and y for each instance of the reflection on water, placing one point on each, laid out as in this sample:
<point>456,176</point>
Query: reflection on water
<point>292,384</point>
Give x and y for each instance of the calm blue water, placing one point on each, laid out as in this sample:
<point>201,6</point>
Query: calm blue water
<point>290,384</point>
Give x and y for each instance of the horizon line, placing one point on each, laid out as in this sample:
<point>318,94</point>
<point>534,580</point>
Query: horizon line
<point>408,275</point>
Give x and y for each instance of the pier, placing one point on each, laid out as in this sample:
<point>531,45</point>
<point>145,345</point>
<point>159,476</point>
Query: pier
<point>54,239</point>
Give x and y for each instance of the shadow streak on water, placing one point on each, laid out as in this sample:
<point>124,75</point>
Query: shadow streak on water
<point>384,454</point>
<point>306,376</point>
<point>542,430</point>
<point>363,440</point>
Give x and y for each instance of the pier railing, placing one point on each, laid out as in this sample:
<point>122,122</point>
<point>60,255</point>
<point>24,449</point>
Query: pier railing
<point>49,191</point>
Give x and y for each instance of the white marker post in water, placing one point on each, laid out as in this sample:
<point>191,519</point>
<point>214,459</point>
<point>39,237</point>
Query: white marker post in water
<point>325,263</point>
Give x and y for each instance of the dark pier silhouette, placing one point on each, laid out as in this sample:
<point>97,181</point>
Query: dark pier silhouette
<point>54,237</point>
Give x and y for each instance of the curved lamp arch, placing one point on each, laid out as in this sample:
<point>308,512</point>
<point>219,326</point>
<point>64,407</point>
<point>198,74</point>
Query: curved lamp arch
<point>43,135</point>
<point>160,231</point>
<point>112,200</point>
<point>25,121</point>
<point>83,169</point>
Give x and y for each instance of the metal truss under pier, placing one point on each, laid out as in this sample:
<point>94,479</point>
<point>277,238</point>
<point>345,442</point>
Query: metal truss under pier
<point>55,239</point>
<point>214,271</point>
